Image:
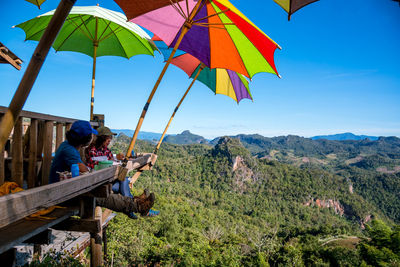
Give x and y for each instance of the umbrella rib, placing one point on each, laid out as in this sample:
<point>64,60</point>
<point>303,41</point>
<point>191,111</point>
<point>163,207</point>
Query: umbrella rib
<point>177,3</point>
<point>177,10</point>
<point>105,29</point>
<point>77,28</point>
<point>126,55</point>
<point>118,29</point>
<point>215,14</point>
<point>187,7</point>
<point>84,24</point>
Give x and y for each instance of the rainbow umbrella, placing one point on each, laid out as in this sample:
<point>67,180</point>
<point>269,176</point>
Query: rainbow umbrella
<point>220,81</point>
<point>291,6</point>
<point>213,31</point>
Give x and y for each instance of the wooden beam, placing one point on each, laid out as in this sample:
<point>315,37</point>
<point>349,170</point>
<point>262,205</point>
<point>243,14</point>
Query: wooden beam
<point>33,133</point>
<point>18,205</point>
<point>2,166</point>
<point>44,117</point>
<point>10,60</point>
<point>17,168</point>
<point>87,207</point>
<point>59,134</point>
<point>79,225</point>
<point>47,151</point>
<point>101,191</point>
<point>40,140</point>
<point>96,243</point>
<point>23,229</point>
<point>43,238</point>
<point>7,258</point>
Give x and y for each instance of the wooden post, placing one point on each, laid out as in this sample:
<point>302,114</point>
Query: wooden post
<point>59,135</point>
<point>17,169</point>
<point>67,127</point>
<point>185,28</point>
<point>176,109</point>
<point>31,178</point>
<point>2,166</point>
<point>40,140</point>
<point>33,69</point>
<point>96,258</point>
<point>47,150</point>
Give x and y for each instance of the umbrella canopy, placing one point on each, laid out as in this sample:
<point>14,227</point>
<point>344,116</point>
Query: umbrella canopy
<point>220,81</point>
<point>220,36</point>
<point>93,31</point>
<point>291,6</point>
<point>37,3</point>
<point>213,31</point>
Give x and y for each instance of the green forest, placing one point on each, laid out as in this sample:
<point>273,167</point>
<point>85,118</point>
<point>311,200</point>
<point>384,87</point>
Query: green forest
<point>231,205</point>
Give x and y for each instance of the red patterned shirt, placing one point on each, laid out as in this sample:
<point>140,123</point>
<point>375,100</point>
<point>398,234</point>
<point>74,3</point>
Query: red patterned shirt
<point>98,152</point>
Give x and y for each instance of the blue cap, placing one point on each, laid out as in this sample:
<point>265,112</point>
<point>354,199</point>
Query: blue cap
<point>82,128</point>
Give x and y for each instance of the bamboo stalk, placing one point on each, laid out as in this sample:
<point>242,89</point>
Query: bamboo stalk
<point>33,69</point>
<point>185,29</point>
<point>176,109</point>
<point>95,45</point>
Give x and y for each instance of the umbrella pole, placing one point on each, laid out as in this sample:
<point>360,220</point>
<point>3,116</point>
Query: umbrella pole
<point>186,27</point>
<point>176,109</point>
<point>95,45</point>
<point>33,69</point>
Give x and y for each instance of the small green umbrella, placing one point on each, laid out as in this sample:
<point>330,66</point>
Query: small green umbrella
<point>96,32</point>
<point>37,3</point>
<point>291,6</point>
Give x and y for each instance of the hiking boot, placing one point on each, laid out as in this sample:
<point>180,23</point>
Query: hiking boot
<point>143,196</point>
<point>144,205</point>
<point>153,213</point>
<point>132,215</point>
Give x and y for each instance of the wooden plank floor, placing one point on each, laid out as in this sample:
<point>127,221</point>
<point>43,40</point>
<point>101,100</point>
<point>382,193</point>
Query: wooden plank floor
<point>23,229</point>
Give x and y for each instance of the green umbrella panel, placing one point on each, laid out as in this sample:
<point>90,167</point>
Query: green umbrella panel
<point>37,3</point>
<point>291,6</point>
<point>96,32</point>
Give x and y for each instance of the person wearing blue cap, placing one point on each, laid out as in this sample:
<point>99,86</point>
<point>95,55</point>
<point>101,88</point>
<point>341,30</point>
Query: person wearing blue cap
<point>79,136</point>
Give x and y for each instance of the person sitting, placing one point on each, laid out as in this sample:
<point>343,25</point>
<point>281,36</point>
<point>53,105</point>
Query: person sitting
<point>79,136</point>
<point>99,148</point>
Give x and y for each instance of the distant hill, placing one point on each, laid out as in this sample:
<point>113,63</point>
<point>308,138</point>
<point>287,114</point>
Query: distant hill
<point>185,138</point>
<point>344,136</point>
<point>142,135</point>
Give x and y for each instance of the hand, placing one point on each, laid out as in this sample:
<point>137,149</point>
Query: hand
<point>120,156</point>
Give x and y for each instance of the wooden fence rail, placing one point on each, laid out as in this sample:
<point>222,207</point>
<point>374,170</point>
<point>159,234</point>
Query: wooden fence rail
<point>33,141</point>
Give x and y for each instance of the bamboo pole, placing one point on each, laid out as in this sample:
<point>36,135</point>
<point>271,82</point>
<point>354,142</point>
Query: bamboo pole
<point>176,109</point>
<point>185,28</point>
<point>33,69</point>
<point>95,45</point>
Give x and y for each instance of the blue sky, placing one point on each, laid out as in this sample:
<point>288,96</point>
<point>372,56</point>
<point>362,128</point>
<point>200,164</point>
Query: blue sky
<point>340,67</point>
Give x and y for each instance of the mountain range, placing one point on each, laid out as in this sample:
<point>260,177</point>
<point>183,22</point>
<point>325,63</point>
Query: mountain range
<point>186,137</point>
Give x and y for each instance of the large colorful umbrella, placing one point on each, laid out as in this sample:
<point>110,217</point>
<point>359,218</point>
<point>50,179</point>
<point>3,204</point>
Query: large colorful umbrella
<point>37,3</point>
<point>291,6</point>
<point>214,31</point>
<point>96,32</point>
<point>220,81</point>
